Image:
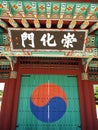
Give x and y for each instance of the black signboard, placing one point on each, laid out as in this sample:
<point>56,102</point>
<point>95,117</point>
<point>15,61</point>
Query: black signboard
<point>47,39</point>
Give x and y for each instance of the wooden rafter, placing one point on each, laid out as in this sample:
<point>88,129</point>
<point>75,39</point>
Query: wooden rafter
<point>13,22</point>
<point>85,24</point>
<point>25,23</point>
<point>60,23</point>
<point>3,24</point>
<point>48,23</point>
<point>72,24</point>
<point>36,23</point>
<point>94,27</point>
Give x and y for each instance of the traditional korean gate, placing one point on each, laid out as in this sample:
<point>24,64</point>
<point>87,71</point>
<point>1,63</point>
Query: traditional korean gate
<point>57,111</point>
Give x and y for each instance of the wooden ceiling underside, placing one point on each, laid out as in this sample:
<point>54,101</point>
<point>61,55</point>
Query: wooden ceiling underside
<point>68,15</point>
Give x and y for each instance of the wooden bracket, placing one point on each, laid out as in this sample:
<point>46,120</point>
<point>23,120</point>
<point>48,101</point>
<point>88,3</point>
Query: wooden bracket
<point>11,62</point>
<point>88,61</point>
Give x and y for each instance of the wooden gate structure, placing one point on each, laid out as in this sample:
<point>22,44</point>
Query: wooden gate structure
<point>53,45</point>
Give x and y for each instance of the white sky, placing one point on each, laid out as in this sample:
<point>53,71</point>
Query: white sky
<point>2,86</point>
<point>97,111</point>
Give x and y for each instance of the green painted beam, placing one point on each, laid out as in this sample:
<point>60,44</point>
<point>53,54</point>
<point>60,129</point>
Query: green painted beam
<point>89,52</point>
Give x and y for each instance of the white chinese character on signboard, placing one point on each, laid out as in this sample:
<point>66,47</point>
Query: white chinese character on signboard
<point>68,40</point>
<point>26,36</point>
<point>46,39</point>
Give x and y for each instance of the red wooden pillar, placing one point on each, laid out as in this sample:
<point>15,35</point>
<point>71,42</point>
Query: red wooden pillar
<point>15,104</point>
<point>93,107</point>
<point>82,98</point>
<point>89,108</point>
<point>16,96</point>
<point>7,105</point>
<point>82,103</point>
